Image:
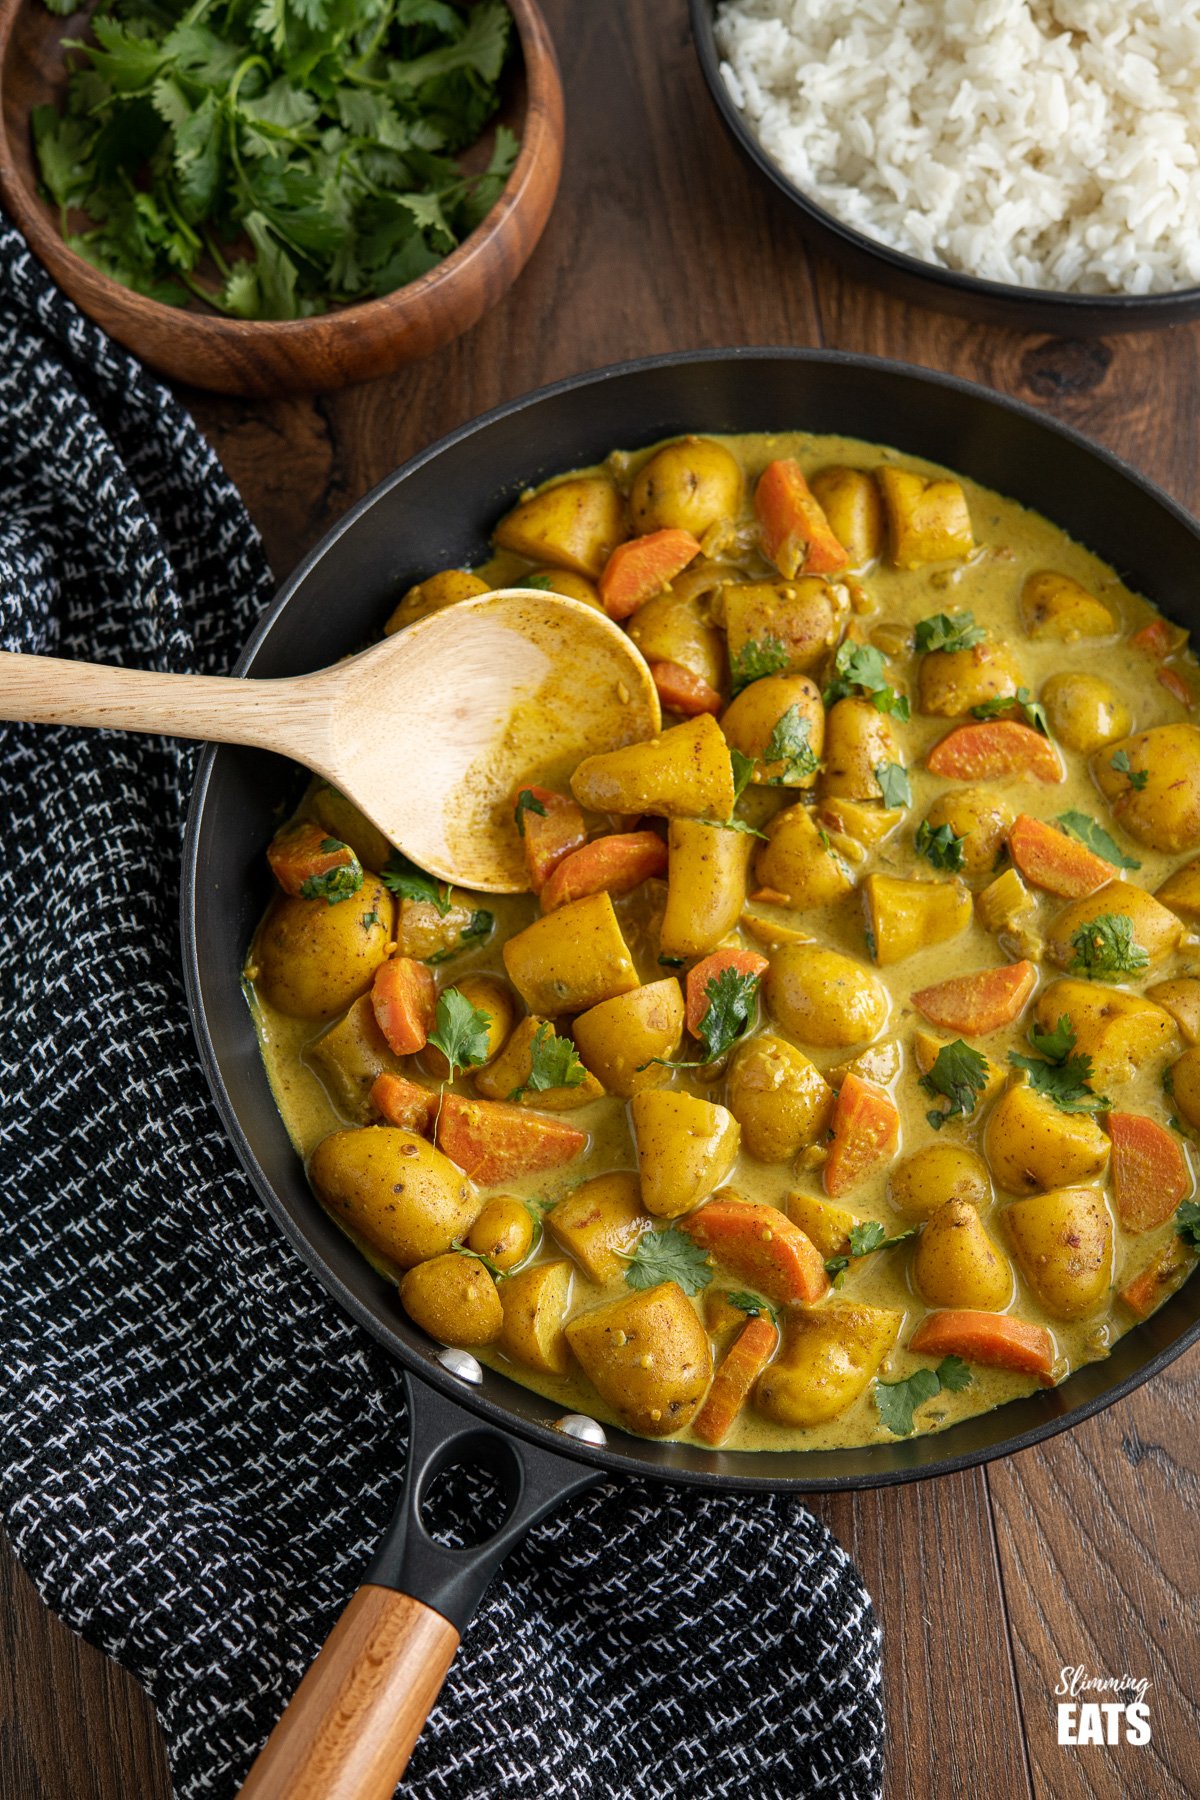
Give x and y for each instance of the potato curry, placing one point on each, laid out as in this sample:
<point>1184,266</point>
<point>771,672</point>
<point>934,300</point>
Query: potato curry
<point>838,1077</point>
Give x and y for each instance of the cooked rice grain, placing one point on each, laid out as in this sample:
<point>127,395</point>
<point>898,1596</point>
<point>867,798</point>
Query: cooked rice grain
<point>1047,143</point>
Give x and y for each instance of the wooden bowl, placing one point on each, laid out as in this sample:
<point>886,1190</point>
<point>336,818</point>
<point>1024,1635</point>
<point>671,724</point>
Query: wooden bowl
<point>350,343</point>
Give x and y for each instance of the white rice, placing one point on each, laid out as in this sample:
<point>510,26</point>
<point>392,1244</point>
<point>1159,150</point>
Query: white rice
<point>1047,143</point>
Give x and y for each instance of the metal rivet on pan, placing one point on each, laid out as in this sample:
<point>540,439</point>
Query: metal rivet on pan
<point>462,1364</point>
<point>578,1425</point>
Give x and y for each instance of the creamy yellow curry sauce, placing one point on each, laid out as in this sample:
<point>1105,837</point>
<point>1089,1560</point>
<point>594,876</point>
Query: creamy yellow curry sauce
<point>978,578</point>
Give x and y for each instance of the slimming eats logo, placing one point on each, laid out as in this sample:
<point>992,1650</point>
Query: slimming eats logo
<point>1102,1709</point>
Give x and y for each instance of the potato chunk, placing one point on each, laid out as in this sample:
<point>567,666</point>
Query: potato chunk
<point>906,916</point>
<point>825,998</point>
<point>1181,999</point>
<point>858,739</point>
<point>951,682</point>
<point>393,1190</point>
<point>574,524</point>
<point>534,1303</point>
<point>454,1299</point>
<point>313,960</point>
<point>508,1075</point>
<point>689,486</point>
<point>793,624</point>
<point>780,1100</point>
<point>1165,811</point>
<point>1118,1031</point>
<point>1063,1241</point>
<point>685,1148</point>
<point>827,1358</point>
<point>446,588</point>
<point>685,773</point>
<point>571,959</point>
<point>600,1223</point>
<point>957,1264</point>
<point>1031,1144</point>
<point>669,628</point>
<point>936,1176</point>
<point>758,713</point>
<point>618,1037</point>
<point>1181,891</point>
<point>851,502</point>
<point>648,1356</point>
<point>928,519</point>
<point>349,1056</point>
<point>706,886</point>
<point>1155,930</point>
<point>1085,711</point>
<point>800,861</point>
<point>1057,606</point>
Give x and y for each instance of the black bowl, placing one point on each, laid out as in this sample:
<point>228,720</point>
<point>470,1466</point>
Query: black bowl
<point>437,511</point>
<point>995,302</point>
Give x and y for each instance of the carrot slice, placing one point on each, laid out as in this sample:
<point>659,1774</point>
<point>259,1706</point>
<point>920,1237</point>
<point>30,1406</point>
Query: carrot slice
<point>865,1128</point>
<point>1166,1271</point>
<point>1159,638</point>
<point>302,853</point>
<point>683,691</point>
<point>996,1339</point>
<point>973,1005</point>
<point>746,962</point>
<point>608,865</point>
<point>1052,860</point>
<point>1149,1168</point>
<point>759,1244</point>
<point>996,747</point>
<point>748,1356</point>
<point>493,1142</point>
<point>403,1103</point>
<point>643,567</point>
<point>1176,686</point>
<point>550,835</point>
<point>796,535</point>
<point>404,999</point>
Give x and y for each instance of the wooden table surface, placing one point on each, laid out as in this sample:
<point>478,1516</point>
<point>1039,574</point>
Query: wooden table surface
<point>1081,1551</point>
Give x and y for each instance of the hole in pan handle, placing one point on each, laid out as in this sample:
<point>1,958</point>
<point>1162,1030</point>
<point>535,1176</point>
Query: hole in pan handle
<point>350,1727</point>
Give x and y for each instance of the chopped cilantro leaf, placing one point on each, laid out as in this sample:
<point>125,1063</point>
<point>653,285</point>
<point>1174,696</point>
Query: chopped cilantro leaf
<point>743,773</point>
<point>1137,777</point>
<point>460,1031</point>
<point>731,996</point>
<point>894,784</point>
<point>669,1255</point>
<point>788,744</point>
<point>1187,1223</point>
<point>948,631</point>
<point>1105,946</point>
<point>864,1238</point>
<point>959,1074</point>
<point>339,883</point>
<point>553,1063</point>
<point>897,1401</point>
<point>1079,825</point>
<point>527,802</point>
<point>1034,712</point>
<point>753,1305</point>
<point>861,667</point>
<point>404,878</point>
<point>940,845</point>
<point>1060,1075</point>
<point>767,655</point>
<point>369,919</point>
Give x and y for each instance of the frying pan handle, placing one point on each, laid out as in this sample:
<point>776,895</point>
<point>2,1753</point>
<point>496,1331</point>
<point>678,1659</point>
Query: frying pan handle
<point>350,1727</point>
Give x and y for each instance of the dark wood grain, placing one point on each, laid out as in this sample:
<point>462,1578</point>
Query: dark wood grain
<point>1081,1551</point>
<point>238,356</point>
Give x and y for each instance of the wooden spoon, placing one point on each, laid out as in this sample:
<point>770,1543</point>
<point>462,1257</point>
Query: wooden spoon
<point>430,733</point>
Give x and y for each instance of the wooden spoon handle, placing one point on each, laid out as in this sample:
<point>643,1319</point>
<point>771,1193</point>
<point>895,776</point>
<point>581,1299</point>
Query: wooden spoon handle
<point>288,716</point>
<point>350,1726</point>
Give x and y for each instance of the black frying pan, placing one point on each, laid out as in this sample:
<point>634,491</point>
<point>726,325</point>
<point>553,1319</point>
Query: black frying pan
<point>437,512</point>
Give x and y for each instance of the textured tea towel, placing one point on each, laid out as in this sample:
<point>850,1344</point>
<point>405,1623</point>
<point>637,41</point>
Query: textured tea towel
<point>197,1450</point>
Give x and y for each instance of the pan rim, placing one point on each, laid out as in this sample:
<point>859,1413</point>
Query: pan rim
<point>619,1460</point>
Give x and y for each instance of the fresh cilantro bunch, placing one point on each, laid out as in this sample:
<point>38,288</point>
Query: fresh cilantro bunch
<point>275,157</point>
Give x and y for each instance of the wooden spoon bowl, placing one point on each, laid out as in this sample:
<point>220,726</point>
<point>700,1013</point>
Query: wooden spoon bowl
<point>347,344</point>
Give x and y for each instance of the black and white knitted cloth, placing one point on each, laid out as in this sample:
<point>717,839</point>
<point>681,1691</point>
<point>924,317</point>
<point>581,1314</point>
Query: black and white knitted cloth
<point>197,1450</point>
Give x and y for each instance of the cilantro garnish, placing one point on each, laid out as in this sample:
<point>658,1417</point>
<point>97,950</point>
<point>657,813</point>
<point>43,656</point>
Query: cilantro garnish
<point>949,631</point>
<point>1137,777</point>
<point>898,1400</point>
<point>959,1074</point>
<point>788,744</point>
<point>768,655</point>
<point>553,1063</point>
<point>865,1238</point>
<point>339,883</point>
<point>460,1031</point>
<point>369,919</point>
<point>477,927</point>
<point>669,1255</point>
<point>894,784</point>
<point>404,878</point>
<point>321,142</point>
<point>1057,1073</point>
<point>1106,946</point>
<point>862,667</point>
<point>753,1305</point>
<point>1033,710</point>
<point>1187,1224</point>
<point>1079,825</point>
<point>731,996</point>
<point>527,801</point>
<point>940,845</point>
<point>743,773</point>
